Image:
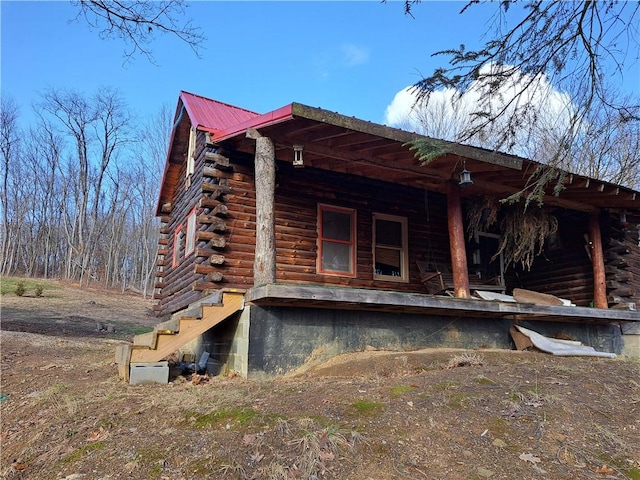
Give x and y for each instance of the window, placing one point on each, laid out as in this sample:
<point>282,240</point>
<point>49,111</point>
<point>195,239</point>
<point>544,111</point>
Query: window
<point>336,240</point>
<point>178,245</point>
<point>483,262</point>
<point>191,156</point>
<point>390,251</point>
<point>191,233</point>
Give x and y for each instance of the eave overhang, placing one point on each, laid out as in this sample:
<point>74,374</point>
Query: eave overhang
<point>348,145</point>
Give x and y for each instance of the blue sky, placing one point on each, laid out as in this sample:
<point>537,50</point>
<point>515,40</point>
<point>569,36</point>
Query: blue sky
<point>350,57</point>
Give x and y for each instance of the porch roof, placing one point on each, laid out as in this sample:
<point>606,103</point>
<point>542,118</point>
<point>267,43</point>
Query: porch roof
<point>348,145</point>
<point>316,296</point>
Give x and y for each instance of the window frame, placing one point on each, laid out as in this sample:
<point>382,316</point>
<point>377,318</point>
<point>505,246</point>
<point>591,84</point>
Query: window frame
<point>191,150</point>
<point>177,245</point>
<point>190,239</point>
<point>476,254</point>
<point>403,249</point>
<point>352,273</point>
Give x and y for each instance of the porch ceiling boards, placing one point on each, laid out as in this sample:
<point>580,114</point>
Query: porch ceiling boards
<point>310,296</point>
<point>348,145</point>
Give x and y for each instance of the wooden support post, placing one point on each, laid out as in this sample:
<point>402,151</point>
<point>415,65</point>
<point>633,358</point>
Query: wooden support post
<point>456,242</point>
<point>597,260</point>
<point>264,265</point>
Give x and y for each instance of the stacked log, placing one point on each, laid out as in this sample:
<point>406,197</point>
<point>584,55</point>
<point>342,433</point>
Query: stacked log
<point>161,262</point>
<point>211,237</point>
<point>622,263</point>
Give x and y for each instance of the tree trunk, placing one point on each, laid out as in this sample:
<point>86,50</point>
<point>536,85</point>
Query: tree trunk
<point>456,242</point>
<point>264,268</point>
<point>597,260</point>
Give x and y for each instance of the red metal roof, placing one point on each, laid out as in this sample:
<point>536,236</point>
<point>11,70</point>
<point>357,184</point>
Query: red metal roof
<point>213,116</point>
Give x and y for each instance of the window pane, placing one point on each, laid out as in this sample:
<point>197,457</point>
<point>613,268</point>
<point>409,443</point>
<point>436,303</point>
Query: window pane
<point>388,233</point>
<point>191,233</point>
<point>336,225</point>
<point>336,257</point>
<point>388,262</point>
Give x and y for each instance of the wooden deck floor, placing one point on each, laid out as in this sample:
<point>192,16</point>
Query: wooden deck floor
<point>312,296</point>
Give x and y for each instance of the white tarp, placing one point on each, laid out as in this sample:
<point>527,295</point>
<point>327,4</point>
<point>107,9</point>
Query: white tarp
<point>562,347</point>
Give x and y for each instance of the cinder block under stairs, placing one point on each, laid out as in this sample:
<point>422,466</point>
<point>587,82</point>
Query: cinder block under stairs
<point>157,345</point>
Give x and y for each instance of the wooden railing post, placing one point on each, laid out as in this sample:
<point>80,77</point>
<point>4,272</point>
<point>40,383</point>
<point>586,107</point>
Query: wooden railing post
<point>597,261</point>
<point>456,242</point>
<point>264,265</point>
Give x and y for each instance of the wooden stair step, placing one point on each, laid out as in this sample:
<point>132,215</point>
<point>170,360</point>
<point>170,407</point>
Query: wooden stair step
<point>160,346</point>
<point>151,339</point>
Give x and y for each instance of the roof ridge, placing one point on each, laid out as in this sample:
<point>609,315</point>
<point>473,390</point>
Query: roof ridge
<point>219,102</point>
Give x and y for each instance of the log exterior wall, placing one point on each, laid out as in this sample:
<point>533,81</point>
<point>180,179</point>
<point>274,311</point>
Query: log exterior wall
<point>564,269</point>
<point>298,193</point>
<point>621,245</point>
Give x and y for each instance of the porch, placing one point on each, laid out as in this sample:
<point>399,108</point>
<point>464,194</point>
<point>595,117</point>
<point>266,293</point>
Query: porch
<point>337,298</point>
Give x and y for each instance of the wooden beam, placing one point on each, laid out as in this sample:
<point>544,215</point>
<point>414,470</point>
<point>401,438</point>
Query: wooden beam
<point>597,260</point>
<point>216,158</point>
<point>456,242</point>
<point>264,266</point>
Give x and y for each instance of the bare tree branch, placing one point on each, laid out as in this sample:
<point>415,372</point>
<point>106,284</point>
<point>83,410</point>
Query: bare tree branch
<point>580,47</point>
<point>138,23</point>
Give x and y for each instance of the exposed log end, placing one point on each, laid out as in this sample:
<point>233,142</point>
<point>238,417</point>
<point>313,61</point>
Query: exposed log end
<point>253,134</point>
<point>214,277</point>
<point>220,210</point>
<point>216,259</point>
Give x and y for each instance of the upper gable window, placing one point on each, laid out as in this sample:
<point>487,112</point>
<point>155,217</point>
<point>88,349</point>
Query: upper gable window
<point>390,248</point>
<point>336,241</point>
<point>191,156</point>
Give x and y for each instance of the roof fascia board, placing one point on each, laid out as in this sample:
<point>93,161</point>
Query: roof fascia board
<point>276,116</point>
<point>176,119</point>
<point>190,113</point>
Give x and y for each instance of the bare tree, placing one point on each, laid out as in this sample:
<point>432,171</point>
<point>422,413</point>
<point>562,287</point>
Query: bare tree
<point>138,23</point>
<point>608,147</point>
<point>98,128</point>
<point>78,196</point>
<point>9,138</point>
<point>151,155</point>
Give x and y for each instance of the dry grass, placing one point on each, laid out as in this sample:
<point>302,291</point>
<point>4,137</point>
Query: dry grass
<point>466,359</point>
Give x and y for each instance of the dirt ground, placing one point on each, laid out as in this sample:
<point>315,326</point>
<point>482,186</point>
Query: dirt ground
<point>430,414</point>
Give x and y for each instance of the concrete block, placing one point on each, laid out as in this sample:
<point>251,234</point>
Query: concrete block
<point>151,372</point>
<point>631,346</point>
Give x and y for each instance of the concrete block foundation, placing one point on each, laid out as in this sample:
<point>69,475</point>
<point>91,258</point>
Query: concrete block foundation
<point>282,339</point>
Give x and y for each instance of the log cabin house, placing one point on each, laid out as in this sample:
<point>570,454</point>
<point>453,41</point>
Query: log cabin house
<point>335,238</point>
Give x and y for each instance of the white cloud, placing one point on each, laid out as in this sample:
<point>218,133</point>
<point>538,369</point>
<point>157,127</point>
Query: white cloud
<point>400,112</point>
<point>447,114</point>
<point>354,55</point>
